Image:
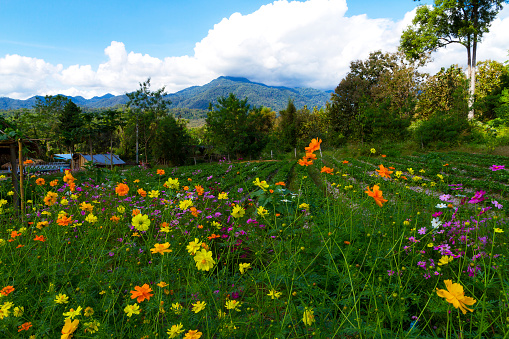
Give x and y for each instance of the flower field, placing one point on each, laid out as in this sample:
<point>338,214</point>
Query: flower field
<point>328,246</point>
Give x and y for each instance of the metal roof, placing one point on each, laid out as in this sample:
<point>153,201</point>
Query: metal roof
<point>104,159</point>
<point>62,156</point>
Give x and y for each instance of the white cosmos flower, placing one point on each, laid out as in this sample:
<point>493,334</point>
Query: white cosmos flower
<point>441,206</point>
<point>435,223</point>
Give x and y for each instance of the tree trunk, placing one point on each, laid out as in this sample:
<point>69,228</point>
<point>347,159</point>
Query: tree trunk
<point>91,152</point>
<point>14,176</point>
<point>472,80</point>
<point>111,151</point>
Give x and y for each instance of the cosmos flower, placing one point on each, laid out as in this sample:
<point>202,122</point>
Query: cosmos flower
<point>455,295</point>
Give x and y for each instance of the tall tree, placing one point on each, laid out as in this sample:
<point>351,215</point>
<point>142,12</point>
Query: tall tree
<point>147,107</point>
<point>451,21</point>
<point>70,126</point>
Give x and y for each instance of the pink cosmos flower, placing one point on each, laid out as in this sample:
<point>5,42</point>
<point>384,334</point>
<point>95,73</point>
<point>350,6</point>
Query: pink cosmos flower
<point>497,167</point>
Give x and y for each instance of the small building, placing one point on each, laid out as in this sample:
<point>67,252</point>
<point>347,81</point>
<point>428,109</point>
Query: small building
<point>101,160</point>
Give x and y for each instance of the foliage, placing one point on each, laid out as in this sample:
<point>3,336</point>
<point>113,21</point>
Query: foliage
<point>172,142</point>
<point>492,79</point>
<point>447,22</point>
<point>383,77</point>
<point>70,125</point>
<point>146,107</point>
<point>443,93</point>
<point>233,127</point>
<point>441,129</point>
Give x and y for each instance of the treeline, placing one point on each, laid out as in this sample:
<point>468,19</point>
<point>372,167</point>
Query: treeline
<point>384,98</point>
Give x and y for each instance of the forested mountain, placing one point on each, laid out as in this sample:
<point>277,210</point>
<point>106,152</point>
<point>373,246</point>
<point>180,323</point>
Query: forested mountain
<point>199,97</point>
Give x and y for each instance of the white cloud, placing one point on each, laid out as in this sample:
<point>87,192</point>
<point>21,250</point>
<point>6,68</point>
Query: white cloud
<point>288,43</point>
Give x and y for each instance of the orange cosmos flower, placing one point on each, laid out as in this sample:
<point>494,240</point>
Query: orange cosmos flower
<point>160,172</point>
<point>51,198</point>
<point>141,293</point>
<point>40,238</point>
<point>271,191</point>
<point>27,162</point>
<point>64,221</point>
<point>142,192</point>
<point>345,161</point>
<point>314,145</point>
<point>15,234</point>
<point>305,162</point>
<point>19,246</point>
<point>281,183</point>
<point>135,212</point>
<point>53,183</point>
<point>383,155</point>
<point>377,195</point>
<point>384,172</point>
<point>213,236</point>
<point>122,189</point>
<point>194,211</point>
<point>40,181</point>
<point>327,170</point>
<point>310,156</point>
<point>114,218</point>
<point>199,190</point>
<point>7,290</point>
<point>185,188</point>
<point>25,326</point>
<point>161,248</point>
<point>455,295</point>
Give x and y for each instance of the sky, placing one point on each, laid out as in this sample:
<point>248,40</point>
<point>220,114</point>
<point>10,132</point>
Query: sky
<point>90,48</point>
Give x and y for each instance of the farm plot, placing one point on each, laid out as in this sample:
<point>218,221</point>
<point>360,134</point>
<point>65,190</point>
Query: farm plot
<point>331,247</point>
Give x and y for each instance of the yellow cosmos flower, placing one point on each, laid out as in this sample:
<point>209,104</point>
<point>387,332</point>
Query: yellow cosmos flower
<point>445,260</point>
<point>262,211</point>
<point>243,267</point>
<point>204,260</point>
<point>232,305</point>
<point>222,196</point>
<point>193,246</point>
<point>141,222</point>
<point>185,204</point>
<point>308,317</point>
<point>132,309</point>
<point>175,330</point>
<point>455,296</point>
<point>91,218</point>
<point>262,184</point>
<point>273,294</point>
<point>238,212</point>
<point>153,194</point>
<point>61,299</point>
<point>199,306</point>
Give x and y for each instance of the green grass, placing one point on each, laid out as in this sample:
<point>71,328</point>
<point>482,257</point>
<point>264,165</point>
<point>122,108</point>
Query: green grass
<point>357,270</point>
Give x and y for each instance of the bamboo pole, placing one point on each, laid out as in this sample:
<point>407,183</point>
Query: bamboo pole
<point>21,188</point>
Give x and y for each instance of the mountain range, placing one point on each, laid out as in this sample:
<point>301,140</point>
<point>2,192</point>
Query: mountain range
<point>199,97</point>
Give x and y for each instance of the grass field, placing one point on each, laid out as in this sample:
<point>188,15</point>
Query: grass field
<point>370,246</point>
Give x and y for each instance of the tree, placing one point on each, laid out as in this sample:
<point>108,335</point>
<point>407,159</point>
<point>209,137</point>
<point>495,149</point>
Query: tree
<point>172,141</point>
<point>491,80</point>
<point>451,21</point>
<point>70,126</point>
<point>288,126</point>
<point>234,127</point>
<point>147,107</point>
<point>48,110</point>
<point>384,78</point>
<point>444,93</point>
<point>109,122</point>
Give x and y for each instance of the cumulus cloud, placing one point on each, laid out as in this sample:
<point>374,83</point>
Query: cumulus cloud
<point>284,43</point>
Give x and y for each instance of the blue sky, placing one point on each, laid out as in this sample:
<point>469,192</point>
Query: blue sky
<point>94,47</point>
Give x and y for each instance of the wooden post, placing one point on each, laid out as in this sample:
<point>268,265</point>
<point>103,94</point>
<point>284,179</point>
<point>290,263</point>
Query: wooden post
<point>21,188</point>
<point>14,177</point>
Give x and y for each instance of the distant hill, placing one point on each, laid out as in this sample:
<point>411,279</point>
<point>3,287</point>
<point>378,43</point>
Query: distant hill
<point>199,97</point>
